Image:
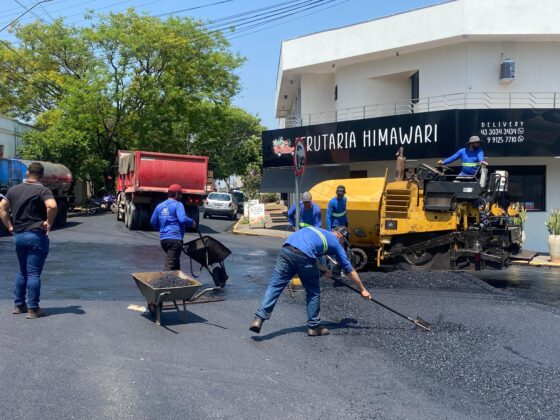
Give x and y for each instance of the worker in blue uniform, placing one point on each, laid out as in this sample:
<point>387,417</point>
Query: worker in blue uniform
<point>336,209</point>
<point>171,220</point>
<point>309,213</point>
<point>299,255</point>
<point>472,156</point>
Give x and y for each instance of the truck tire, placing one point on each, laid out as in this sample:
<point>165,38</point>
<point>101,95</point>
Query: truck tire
<point>429,259</point>
<point>134,219</point>
<point>62,213</point>
<point>119,205</point>
<point>127,214</point>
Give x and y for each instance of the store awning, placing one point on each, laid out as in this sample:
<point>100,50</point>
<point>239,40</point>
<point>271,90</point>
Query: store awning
<point>281,180</point>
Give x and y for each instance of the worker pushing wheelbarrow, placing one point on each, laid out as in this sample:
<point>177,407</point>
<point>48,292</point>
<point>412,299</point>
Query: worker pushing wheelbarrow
<point>176,286</point>
<point>172,284</point>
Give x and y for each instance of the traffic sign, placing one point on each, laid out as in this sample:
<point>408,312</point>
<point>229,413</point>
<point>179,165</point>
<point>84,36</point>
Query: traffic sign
<point>300,156</point>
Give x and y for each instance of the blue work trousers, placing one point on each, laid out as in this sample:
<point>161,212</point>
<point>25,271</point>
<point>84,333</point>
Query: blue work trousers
<point>288,265</point>
<point>32,249</point>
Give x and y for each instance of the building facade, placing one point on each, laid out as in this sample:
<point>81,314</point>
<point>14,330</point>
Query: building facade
<point>427,80</point>
<point>11,132</point>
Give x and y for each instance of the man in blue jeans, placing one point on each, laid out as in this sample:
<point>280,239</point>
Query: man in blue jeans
<point>299,255</point>
<point>33,210</point>
<point>171,220</point>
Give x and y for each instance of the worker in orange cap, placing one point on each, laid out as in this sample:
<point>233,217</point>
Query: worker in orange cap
<point>171,220</point>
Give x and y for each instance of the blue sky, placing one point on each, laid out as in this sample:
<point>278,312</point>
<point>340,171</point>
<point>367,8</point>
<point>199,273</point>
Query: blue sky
<point>261,49</point>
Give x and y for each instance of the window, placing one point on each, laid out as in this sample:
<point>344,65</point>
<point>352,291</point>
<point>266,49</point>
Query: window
<point>414,87</point>
<point>358,174</point>
<point>336,92</point>
<point>527,184</point>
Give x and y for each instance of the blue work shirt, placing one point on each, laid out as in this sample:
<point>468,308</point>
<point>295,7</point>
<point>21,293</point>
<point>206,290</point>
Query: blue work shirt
<point>336,213</point>
<point>170,219</point>
<point>470,160</point>
<point>315,242</point>
<point>307,217</point>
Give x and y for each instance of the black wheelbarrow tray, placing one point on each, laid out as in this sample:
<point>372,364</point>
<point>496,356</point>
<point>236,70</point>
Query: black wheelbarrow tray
<point>157,296</point>
<point>210,254</point>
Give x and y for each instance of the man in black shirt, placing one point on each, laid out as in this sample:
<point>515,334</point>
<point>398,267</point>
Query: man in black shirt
<point>33,209</point>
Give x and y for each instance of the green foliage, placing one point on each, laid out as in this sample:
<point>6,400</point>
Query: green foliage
<point>553,222</point>
<point>270,197</point>
<point>252,181</point>
<point>127,81</point>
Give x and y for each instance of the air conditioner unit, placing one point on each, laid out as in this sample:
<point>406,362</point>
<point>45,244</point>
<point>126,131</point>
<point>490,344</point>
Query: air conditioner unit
<point>507,71</point>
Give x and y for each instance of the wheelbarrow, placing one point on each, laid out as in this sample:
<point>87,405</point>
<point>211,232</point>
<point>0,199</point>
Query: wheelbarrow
<point>210,254</point>
<point>157,296</point>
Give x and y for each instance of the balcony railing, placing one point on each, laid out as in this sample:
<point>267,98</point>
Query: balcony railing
<point>466,100</point>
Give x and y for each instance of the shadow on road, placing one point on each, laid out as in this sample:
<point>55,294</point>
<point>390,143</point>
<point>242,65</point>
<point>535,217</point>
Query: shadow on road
<point>75,310</point>
<point>346,323</point>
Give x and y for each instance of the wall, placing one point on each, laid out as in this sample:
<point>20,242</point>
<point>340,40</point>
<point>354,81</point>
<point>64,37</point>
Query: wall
<point>465,67</point>
<point>442,71</point>
<point>10,135</point>
<point>535,229</point>
<point>317,93</point>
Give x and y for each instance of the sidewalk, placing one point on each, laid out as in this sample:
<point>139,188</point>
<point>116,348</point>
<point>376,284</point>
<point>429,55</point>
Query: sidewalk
<point>276,223</point>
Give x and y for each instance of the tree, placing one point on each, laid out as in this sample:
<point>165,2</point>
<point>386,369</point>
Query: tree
<point>126,82</point>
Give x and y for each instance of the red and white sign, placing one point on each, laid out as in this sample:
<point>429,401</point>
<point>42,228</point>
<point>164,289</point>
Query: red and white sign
<point>300,156</point>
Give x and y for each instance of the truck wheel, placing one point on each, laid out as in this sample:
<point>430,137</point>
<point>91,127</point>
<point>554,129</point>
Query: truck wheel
<point>62,213</point>
<point>427,259</point>
<point>127,214</point>
<point>134,217</point>
<point>120,215</point>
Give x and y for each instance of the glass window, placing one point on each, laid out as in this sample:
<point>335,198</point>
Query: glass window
<point>527,184</point>
<point>219,197</point>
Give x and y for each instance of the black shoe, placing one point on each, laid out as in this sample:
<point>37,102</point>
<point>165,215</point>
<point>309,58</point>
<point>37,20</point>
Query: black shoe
<point>256,325</point>
<point>317,331</point>
<point>20,309</point>
<point>33,313</point>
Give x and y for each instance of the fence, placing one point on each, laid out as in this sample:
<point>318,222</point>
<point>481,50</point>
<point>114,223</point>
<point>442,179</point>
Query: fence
<point>465,100</point>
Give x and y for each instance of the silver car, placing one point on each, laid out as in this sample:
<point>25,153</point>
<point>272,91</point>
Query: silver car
<point>220,204</point>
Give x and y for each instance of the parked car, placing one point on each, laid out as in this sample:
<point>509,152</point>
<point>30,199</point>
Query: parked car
<point>239,198</point>
<point>220,204</point>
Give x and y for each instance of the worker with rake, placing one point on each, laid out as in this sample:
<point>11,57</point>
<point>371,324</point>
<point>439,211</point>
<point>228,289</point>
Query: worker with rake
<point>299,255</point>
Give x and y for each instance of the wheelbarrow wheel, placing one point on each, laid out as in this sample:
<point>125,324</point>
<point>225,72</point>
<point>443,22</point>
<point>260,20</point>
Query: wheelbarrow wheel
<point>219,276</point>
<point>152,309</point>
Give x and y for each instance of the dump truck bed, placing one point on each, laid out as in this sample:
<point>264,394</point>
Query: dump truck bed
<point>153,172</point>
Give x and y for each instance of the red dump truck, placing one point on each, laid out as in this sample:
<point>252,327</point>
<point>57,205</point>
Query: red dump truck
<point>144,178</point>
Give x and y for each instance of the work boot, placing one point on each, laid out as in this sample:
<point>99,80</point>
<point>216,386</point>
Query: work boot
<point>19,309</point>
<point>256,325</point>
<point>316,331</point>
<point>33,313</point>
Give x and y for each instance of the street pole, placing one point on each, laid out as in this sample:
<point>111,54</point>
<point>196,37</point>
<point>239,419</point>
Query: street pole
<point>24,13</point>
<point>297,202</point>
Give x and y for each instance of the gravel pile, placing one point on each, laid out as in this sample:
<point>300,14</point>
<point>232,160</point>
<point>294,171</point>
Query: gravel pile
<point>451,363</point>
<point>169,280</point>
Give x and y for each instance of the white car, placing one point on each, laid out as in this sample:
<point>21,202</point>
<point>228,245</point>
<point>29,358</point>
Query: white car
<point>220,204</point>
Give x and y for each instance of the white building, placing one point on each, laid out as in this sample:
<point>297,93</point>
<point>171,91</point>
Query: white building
<point>461,67</point>
<point>11,132</point>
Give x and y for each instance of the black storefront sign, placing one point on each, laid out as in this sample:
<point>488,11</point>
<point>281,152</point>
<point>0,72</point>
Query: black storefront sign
<point>505,132</point>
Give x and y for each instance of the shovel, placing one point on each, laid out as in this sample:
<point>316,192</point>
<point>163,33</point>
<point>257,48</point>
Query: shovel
<point>419,322</point>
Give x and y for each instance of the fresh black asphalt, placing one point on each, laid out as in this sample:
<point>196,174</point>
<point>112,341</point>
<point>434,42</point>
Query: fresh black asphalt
<point>493,351</point>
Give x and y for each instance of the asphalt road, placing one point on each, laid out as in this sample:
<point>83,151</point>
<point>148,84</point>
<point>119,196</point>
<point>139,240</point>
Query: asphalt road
<point>492,352</point>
